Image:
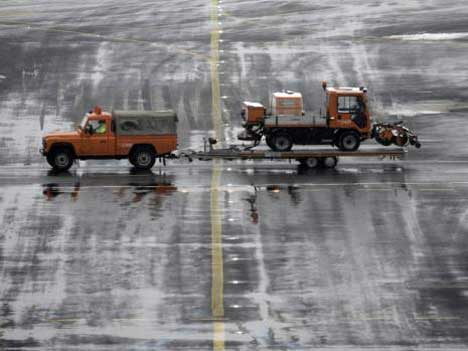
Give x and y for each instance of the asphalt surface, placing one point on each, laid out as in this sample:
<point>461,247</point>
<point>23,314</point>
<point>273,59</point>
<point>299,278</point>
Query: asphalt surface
<point>233,255</point>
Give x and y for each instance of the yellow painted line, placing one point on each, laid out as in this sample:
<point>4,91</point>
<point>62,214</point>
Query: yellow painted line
<point>217,282</point>
<point>218,336</point>
<point>217,269</point>
<point>10,13</point>
<point>214,61</point>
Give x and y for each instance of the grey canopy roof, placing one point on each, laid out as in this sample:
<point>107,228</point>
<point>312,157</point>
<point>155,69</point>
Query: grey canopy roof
<point>145,122</point>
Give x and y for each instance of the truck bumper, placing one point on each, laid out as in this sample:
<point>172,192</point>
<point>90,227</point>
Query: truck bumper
<point>42,152</point>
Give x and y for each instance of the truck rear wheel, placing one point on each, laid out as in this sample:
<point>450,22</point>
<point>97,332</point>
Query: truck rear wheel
<point>349,141</point>
<point>281,142</point>
<point>142,157</point>
<point>61,159</point>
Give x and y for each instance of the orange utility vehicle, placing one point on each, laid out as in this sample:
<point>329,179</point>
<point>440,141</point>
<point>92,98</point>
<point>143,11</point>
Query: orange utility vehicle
<point>344,121</point>
<point>140,136</point>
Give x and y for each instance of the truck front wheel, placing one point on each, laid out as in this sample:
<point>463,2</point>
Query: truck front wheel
<point>349,141</point>
<point>142,158</point>
<point>61,159</point>
<point>281,142</point>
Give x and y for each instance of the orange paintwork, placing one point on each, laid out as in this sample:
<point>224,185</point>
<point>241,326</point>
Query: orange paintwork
<point>287,104</point>
<point>108,144</point>
<point>337,119</point>
<point>254,112</point>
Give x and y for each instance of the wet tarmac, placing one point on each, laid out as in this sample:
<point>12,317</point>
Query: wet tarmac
<point>233,255</point>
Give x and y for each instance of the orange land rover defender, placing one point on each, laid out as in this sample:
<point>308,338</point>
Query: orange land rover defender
<point>140,136</point>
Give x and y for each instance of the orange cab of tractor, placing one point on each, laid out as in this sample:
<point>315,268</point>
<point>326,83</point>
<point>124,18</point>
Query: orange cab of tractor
<point>287,103</point>
<point>253,112</point>
<point>347,108</point>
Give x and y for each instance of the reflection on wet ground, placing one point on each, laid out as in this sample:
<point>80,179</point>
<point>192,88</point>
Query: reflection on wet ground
<point>326,258</point>
<point>160,186</point>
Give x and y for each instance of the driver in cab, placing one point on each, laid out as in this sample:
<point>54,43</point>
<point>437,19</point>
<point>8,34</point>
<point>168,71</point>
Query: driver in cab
<point>101,128</point>
<point>97,127</point>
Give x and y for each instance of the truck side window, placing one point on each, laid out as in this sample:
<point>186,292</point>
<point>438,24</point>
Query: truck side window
<point>347,104</point>
<point>98,126</point>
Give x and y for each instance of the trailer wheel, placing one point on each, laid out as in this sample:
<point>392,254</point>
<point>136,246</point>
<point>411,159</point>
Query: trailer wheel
<point>281,142</point>
<point>349,141</point>
<point>61,159</point>
<point>142,157</point>
<point>310,162</point>
<point>329,162</point>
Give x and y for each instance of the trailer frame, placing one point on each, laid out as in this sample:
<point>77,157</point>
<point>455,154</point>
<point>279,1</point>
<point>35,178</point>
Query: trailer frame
<point>310,158</point>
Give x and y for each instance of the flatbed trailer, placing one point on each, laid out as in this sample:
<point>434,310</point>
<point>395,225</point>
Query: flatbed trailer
<point>311,157</point>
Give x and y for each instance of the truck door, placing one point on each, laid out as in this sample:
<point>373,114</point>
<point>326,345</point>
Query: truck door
<point>98,142</point>
<point>351,109</point>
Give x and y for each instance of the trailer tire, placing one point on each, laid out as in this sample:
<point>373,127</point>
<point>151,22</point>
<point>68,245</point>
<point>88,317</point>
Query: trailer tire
<point>349,141</point>
<point>142,157</point>
<point>281,142</point>
<point>60,158</point>
<point>329,162</point>
<point>310,162</point>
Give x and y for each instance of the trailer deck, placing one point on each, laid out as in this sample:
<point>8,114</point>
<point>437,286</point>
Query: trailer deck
<point>310,157</point>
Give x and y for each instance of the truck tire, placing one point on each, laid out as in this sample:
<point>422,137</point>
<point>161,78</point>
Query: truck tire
<point>349,141</point>
<point>142,157</point>
<point>281,142</point>
<point>61,159</point>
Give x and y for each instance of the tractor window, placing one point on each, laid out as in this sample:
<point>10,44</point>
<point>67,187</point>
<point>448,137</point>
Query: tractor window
<point>347,104</point>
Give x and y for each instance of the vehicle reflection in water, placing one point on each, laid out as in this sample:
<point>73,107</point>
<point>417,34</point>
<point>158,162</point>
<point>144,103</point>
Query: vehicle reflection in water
<point>252,201</point>
<point>139,185</point>
<point>300,187</point>
<point>52,190</point>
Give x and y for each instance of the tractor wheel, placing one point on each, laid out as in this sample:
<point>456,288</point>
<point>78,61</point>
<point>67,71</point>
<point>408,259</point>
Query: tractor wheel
<point>61,159</point>
<point>281,142</point>
<point>349,141</point>
<point>142,157</point>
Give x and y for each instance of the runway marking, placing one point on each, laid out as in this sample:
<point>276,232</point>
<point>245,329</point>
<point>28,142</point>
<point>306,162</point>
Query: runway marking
<point>217,280</point>
<point>217,268</point>
<point>10,13</point>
